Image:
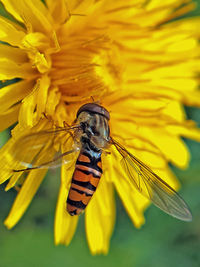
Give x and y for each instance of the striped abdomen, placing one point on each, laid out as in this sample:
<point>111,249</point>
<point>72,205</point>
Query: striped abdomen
<point>85,179</point>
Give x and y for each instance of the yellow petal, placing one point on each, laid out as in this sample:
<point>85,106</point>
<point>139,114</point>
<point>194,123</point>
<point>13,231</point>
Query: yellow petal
<point>174,110</point>
<point>33,12</point>
<point>5,161</point>
<point>59,10</point>
<point>11,9</point>
<point>14,93</point>
<point>36,40</point>
<point>13,180</point>
<point>18,150</point>
<point>170,145</point>
<point>9,117</point>
<point>65,224</point>
<point>24,197</point>
<point>14,54</point>
<point>179,71</point>
<point>100,218</point>
<point>42,95</point>
<point>10,33</point>
<point>42,63</point>
<point>53,100</point>
<point>29,188</point>
<point>81,6</point>
<point>191,99</point>
<point>27,111</point>
<point>133,201</point>
<point>189,131</point>
<point>155,4</point>
<point>10,70</point>
<point>35,103</point>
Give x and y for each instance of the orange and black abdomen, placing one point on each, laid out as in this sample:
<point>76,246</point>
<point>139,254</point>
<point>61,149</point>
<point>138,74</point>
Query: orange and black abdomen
<point>85,179</point>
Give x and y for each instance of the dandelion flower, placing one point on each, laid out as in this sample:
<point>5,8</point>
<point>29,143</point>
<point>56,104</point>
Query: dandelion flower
<point>129,56</point>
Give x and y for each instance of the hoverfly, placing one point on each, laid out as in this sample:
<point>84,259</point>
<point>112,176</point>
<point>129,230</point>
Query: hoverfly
<point>91,137</point>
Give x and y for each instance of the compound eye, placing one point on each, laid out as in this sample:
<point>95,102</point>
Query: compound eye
<point>95,109</point>
<point>84,125</point>
<point>94,131</point>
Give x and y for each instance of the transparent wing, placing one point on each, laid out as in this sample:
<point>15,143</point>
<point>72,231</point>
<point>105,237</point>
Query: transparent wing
<point>152,186</point>
<point>30,151</point>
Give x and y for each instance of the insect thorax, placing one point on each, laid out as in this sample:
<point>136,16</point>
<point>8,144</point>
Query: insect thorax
<point>94,130</point>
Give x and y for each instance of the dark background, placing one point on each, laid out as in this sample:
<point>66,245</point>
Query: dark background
<point>161,242</point>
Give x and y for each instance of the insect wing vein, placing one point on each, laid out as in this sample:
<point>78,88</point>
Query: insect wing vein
<point>152,186</point>
<point>30,150</point>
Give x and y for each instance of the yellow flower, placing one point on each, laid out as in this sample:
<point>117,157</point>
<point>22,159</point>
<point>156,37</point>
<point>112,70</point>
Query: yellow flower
<point>129,56</point>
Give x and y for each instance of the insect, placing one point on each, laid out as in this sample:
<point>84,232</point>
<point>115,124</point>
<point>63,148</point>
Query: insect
<point>90,135</point>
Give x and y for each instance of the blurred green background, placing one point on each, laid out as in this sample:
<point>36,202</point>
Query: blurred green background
<point>161,242</point>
